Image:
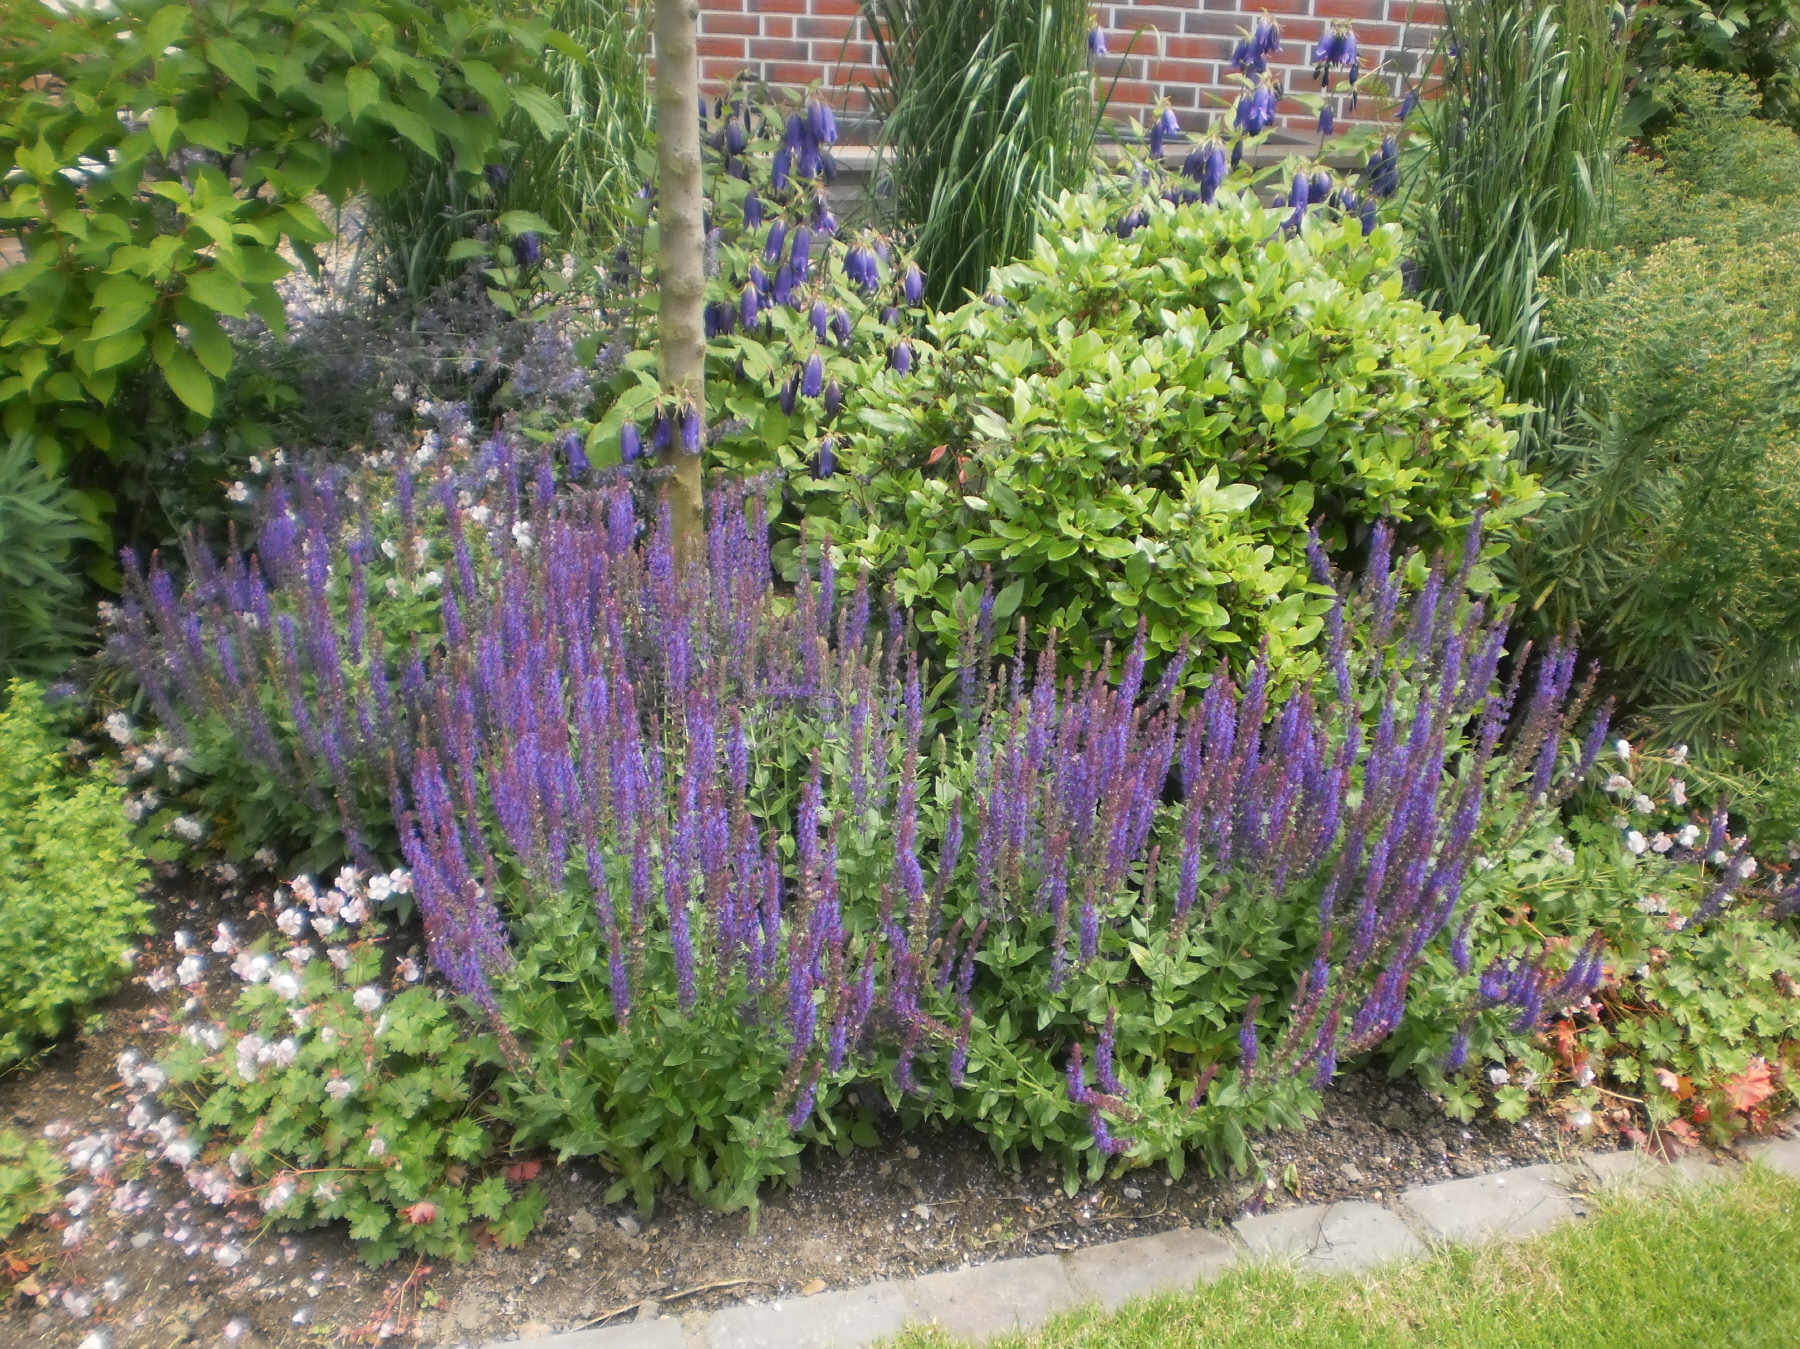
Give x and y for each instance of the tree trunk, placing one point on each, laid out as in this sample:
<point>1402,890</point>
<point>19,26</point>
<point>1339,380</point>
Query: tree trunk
<point>680,327</point>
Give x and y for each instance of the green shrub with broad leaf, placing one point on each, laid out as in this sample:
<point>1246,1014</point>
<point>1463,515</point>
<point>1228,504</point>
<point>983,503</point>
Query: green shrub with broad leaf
<point>1757,40</point>
<point>69,879</point>
<point>161,161</point>
<point>1142,430</point>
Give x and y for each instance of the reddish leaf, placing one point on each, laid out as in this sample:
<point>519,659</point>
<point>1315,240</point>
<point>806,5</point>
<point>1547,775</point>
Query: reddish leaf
<point>1682,1132</point>
<point>1682,1087</point>
<point>519,1172</point>
<point>421,1214</point>
<point>1751,1087</point>
<point>936,454</point>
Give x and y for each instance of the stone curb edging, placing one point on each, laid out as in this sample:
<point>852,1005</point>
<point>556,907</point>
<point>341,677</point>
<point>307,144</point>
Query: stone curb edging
<point>977,1302</point>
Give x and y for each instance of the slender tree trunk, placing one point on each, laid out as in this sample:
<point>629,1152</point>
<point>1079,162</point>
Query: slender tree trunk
<point>680,328</point>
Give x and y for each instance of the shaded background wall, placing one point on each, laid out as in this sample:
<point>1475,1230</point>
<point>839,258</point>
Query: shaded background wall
<point>1177,49</point>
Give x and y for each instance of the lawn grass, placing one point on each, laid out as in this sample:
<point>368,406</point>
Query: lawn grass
<point>1688,1269</point>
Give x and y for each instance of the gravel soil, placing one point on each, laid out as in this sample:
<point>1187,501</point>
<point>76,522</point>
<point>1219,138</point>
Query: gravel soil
<point>152,1265</point>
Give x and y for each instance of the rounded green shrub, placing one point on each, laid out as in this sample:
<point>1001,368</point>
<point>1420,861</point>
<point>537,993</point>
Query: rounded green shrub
<point>69,878</point>
<point>1142,429</point>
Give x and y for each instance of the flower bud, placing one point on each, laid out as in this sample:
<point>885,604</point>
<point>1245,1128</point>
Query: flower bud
<point>913,283</point>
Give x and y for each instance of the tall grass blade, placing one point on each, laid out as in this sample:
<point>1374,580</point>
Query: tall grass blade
<point>1514,171</point>
<point>987,109</point>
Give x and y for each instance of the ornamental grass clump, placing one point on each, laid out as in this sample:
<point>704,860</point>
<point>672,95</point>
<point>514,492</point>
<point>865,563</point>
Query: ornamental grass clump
<point>713,853</point>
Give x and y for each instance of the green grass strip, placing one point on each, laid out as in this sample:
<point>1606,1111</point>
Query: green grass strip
<point>1688,1268</point>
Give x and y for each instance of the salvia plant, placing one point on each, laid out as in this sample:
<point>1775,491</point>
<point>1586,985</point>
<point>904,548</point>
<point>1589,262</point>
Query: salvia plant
<point>709,852</point>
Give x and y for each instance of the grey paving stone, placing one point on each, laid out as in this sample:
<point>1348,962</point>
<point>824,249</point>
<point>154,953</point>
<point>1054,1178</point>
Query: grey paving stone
<point>1632,1169</point>
<point>986,1300</point>
<point>1781,1155</point>
<point>1330,1238</point>
<point>1508,1204</point>
<point>838,1320</point>
<point>1144,1266</point>
<point>664,1333</point>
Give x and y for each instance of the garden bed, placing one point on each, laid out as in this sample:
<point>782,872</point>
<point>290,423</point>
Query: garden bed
<point>171,1269</point>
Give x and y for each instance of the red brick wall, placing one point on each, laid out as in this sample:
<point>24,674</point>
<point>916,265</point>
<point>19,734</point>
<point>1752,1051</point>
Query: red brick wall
<point>1174,49</point>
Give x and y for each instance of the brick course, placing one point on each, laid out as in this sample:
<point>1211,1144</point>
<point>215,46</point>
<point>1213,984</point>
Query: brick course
<point>1173,49</point>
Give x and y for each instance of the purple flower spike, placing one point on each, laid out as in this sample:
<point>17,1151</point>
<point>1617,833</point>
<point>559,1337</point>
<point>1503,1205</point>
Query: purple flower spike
<point>575,455</point>
<point>1104,1074</point>
<point>1248,1048</point>
<point>1458,1057</point>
